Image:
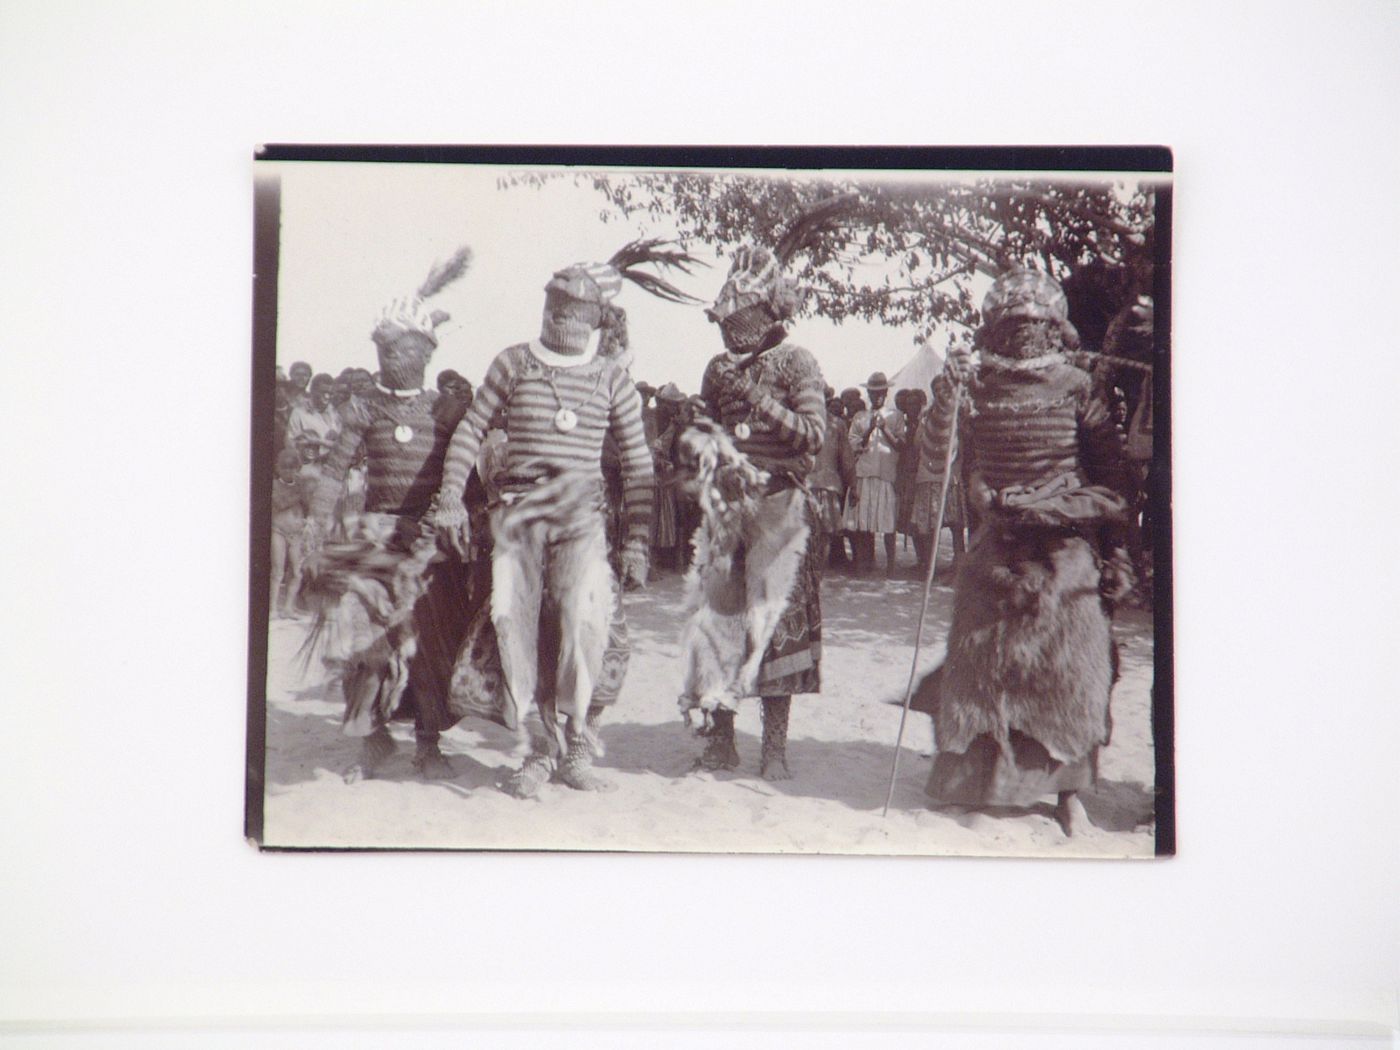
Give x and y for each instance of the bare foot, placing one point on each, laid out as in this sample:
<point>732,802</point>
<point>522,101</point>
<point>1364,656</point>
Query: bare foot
<point>773,766</point>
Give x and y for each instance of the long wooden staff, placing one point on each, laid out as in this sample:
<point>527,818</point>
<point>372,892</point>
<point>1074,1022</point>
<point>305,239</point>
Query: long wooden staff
<point>928,586</point>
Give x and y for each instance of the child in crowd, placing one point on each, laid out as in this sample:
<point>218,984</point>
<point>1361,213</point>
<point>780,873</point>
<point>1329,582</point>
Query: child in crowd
<point>291,500</point>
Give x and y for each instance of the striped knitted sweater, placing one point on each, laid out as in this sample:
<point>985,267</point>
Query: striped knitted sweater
<point>787,425</point>
<point>1026,427</point>
<point>401,476</point>
<point>530,392</point>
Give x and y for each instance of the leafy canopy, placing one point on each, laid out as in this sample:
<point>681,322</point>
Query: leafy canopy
<point>911,252</point>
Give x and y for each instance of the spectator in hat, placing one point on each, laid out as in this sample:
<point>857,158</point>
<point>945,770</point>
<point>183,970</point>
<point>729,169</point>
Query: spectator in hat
<point>877,435</point>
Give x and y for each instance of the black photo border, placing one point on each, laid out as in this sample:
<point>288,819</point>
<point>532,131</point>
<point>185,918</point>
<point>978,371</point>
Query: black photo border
<point>1067,159</point>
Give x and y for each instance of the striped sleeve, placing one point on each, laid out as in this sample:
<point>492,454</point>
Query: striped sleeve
<point>354,422</point>
<point>491,395</point>
<point>802,426</point>
<point>935,427</point>
<point>638,475</point>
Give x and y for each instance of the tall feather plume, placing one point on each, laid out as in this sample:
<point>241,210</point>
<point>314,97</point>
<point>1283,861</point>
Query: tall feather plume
<point>444,273</point>
<point>654,250</point>
<point>811,224</point>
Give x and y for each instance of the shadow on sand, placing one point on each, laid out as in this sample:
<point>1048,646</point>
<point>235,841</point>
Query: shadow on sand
<point>308,743</point>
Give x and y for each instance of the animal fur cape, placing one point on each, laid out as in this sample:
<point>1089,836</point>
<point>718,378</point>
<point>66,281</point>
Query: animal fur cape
<point>748,551</point>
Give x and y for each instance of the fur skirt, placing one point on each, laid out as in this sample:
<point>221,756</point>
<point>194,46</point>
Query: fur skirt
<point>1021,704</point>
<point>391,623</point>
<point>478,685</point>
<point>755,610</point>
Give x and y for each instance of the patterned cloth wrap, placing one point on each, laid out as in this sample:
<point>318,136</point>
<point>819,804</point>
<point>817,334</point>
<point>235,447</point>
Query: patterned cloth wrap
<point>407,314</point>
<point>755,276</point>
<point>1027,294</point>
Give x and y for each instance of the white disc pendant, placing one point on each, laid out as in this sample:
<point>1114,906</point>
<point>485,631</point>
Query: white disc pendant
<point>403,433</point>
<point>565,420</point>
<point>743,431</point>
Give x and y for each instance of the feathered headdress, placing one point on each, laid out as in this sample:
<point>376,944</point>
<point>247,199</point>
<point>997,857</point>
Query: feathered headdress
<point>600,282</point>
<point>756,275</point>
<point>410,313</point>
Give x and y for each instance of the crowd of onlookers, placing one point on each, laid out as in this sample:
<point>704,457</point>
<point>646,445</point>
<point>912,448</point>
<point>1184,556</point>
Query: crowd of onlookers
<point>871,478</point>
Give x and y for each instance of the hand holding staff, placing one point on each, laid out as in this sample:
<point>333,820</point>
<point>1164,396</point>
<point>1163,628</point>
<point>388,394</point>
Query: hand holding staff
<point>959,366</point>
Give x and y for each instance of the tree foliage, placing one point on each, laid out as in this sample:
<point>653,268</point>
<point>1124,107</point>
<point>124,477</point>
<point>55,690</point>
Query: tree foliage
<point>909,254</point>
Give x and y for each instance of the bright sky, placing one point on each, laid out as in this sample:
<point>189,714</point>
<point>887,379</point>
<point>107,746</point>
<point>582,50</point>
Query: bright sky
<point>355,236</point>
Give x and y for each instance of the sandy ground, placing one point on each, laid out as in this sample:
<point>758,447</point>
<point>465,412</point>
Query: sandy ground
<point>840,750</point>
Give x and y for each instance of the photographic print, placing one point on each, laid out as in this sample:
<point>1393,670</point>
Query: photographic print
<point>720,500</point>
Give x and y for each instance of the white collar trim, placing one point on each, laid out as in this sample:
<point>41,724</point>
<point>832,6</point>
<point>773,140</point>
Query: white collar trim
<point>556,360</point>
<point>397,393</point>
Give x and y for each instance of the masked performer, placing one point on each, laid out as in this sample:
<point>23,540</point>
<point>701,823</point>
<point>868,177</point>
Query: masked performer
<point>403,606</point>
<point>754,590</point>
<point>553,590</point>
<point>1021,704</point>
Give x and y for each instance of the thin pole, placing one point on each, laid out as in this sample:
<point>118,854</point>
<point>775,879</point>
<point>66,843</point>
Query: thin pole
<point>928,586</point>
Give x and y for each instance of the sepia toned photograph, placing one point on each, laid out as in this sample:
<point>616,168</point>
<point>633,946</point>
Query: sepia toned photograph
<point>712,501</point>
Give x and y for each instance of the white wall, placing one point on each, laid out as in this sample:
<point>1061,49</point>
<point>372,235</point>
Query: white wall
<point>125,891</point>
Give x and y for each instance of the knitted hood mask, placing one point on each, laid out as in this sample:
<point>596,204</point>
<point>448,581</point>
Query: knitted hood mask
<point>578,299</point>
